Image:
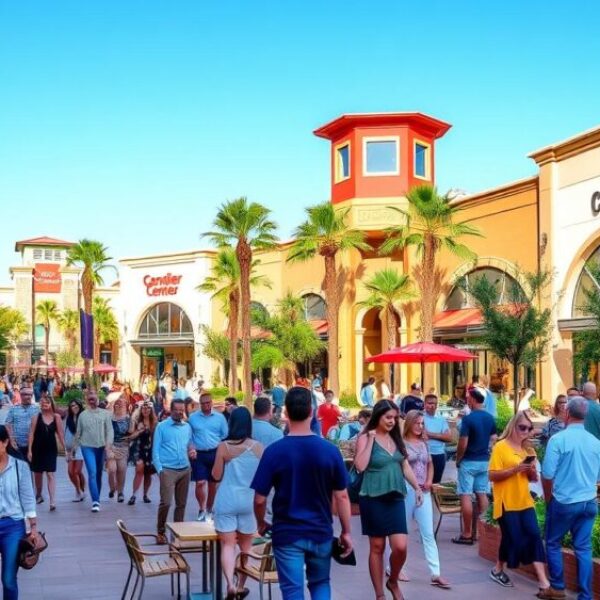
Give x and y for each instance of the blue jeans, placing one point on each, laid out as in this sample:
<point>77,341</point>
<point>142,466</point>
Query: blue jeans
<point>290,561</point>
<point>578,518</point>
<point>94,463</point>
<point>11,532</point>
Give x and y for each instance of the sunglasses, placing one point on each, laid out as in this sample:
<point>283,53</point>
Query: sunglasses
<point>524,428</point>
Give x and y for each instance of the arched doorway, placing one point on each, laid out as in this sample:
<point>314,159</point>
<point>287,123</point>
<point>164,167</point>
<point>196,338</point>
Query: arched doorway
<point>166,341</point>
<point>586,303</point>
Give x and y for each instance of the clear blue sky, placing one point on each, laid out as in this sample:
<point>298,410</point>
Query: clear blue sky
<point>131,121</point>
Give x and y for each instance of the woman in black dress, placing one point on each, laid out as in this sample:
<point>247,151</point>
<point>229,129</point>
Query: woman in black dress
<point>141,431</point>
<point>43,450</point>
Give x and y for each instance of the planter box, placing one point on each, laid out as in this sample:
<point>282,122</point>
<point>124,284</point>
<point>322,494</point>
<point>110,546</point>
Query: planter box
<point>489,542</point>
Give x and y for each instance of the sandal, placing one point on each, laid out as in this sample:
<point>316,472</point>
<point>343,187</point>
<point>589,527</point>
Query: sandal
<point>52,507</point>
<point>241,594</point>
<point>440,582</point>
<point>131,501</point>
<point>461,539</point>
<point>161,539</point>
<point>147,500</point>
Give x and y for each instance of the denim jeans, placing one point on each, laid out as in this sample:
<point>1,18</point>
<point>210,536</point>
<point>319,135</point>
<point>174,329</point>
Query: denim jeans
<point>94,463</point>
<point>578,518</point>
<point>11,532</point>
<point>423,515</point>
<point>291,560</point>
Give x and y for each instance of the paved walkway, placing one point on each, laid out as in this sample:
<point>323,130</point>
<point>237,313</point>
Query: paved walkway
<point>86,557</point>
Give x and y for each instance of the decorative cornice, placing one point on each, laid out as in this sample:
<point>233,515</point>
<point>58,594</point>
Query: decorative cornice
<point>588,140</point>
<point>503,191</point>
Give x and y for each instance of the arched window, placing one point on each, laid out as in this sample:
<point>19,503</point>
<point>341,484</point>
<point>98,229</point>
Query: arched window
<point>257,311</point>
<point>586,282</point>
<point>166,320</point>
<point>315,308</point>
<point>460,298</point>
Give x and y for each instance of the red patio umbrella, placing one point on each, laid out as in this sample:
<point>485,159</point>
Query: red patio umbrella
<point>74,370</point>
<point>422,352</point>
<point>105,368</point>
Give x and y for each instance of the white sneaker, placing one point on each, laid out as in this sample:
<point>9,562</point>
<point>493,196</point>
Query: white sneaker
<point>209,517</point>
<point>201,516</point>
<point>96,507</point>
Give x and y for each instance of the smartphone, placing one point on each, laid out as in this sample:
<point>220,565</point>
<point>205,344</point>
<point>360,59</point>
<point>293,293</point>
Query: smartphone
<point>529,459</point>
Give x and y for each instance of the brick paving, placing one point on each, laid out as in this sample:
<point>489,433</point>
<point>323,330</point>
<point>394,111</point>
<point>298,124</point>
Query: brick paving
<point>86,557</point>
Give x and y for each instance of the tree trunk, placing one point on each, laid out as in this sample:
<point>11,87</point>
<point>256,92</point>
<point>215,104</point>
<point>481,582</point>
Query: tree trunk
<point>516,385</point>
<point>427,285</point>
<point>392,329</point>
<point>87,286</point>
<point>244,256</point>
<point>96,350</point>
<point>234,309</point>
<point>332,322</point>
<point>47,344</point>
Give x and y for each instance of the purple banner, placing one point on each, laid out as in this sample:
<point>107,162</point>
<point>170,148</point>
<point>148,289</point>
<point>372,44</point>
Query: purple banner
<point>86,323</point>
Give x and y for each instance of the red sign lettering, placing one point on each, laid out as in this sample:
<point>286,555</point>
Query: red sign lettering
<point>167,285</point>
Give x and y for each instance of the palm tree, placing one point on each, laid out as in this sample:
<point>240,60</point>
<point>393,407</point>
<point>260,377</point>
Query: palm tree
<point>225,282</point>
<point>248,226</point>
<point>430,225</point>
<point>326,233</point>
<point>13,327</point>
<point>68,323</point>
<point>93,257</point>
<point>46,312</point>
<point>386,288</point>
<point>106,328</point>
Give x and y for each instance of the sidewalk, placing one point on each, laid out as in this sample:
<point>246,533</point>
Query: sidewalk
<point>86,557</point>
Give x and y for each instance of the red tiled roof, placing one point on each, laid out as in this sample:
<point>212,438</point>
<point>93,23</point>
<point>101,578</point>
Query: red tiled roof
<point>42,241</point>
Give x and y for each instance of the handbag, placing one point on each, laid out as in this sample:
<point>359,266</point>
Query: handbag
<point>29,553</point>
<point>355,480</point>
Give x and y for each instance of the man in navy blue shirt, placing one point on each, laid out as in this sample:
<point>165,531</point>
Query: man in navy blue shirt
<point>306,471</point>
<point>477,433</point>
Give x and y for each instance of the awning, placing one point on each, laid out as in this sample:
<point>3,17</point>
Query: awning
<point>320,327</point>
<point>464,319</point>
<point>577,324</point>
<point>160,341</point>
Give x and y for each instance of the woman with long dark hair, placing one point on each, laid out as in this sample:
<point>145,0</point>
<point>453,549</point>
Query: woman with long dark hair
<point>381,457</point>
<point>235,465</point>
<point>143,423</point>
<point>74,461</point>
<point>18,504</point>
<point>43,451</point>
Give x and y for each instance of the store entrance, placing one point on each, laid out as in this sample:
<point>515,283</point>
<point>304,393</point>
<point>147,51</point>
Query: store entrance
<point>178,361</point>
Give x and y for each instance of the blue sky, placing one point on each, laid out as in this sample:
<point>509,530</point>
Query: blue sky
<point>131,121</point>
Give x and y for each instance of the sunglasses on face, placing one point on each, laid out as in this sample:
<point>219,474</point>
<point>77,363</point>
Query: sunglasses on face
<point>524,428</point>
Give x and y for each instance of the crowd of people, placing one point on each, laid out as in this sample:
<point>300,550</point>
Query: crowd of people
<point>276,473</point>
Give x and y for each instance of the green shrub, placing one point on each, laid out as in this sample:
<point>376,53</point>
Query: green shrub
<point>74,394</point>
<point>349,400</point>
<point>540,513</point>
<point>219,393</point>
<point>505,414</point>
<point>540,406</point>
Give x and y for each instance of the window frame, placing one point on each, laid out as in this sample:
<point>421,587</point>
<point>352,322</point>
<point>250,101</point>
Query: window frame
<point>380,138</point>
<point>427,176</point>
<point>338,163</point>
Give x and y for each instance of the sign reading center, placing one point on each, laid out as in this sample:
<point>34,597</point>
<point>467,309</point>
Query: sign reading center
<point>596,204</point>
<point>167,285</point>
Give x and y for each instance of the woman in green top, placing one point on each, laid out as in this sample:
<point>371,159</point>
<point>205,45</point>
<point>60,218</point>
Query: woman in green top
<point>381,457</point>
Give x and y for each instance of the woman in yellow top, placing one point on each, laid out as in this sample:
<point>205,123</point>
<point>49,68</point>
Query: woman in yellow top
<point>512,467</point>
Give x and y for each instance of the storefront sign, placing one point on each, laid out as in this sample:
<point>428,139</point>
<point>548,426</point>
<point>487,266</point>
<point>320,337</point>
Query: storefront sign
<point>167,285</point>
<point>153,352</point>
<point>596,204</point>
<point>46,278</point>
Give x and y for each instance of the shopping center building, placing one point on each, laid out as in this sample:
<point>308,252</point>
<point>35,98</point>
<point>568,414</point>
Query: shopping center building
<point>550,220</point>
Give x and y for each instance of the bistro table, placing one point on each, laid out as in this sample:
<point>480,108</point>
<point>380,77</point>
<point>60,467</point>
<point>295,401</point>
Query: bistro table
<point>203,533</point>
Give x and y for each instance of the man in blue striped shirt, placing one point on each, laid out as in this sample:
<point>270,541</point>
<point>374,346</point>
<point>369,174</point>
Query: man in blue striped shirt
<point>171,452</point>
<point>570,472</point>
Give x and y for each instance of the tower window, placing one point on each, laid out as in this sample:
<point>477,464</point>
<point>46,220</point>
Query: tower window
<point>422,160</point>
<point>381,156</point>
<point>342,162</point>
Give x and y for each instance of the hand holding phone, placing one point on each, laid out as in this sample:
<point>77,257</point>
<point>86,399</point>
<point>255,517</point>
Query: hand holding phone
<point>529,459</point>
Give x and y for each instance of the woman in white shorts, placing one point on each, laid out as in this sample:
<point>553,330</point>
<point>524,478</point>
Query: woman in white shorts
<point>235,465</point>
<point>74,463</point>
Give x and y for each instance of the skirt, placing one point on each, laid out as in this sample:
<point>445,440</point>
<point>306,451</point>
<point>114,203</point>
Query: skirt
<point>381,516</point>
<point>521,542</point>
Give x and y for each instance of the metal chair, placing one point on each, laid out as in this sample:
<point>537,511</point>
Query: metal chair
<point>151,564</point>
<point>447,502</point>
<point>259,565</point>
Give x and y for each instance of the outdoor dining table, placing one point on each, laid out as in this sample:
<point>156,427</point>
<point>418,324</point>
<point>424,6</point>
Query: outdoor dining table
<point>203,533</point>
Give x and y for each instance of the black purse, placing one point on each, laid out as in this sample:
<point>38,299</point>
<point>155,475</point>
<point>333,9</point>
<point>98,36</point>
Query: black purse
<point>355,479</point>
<point>29,553</point>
